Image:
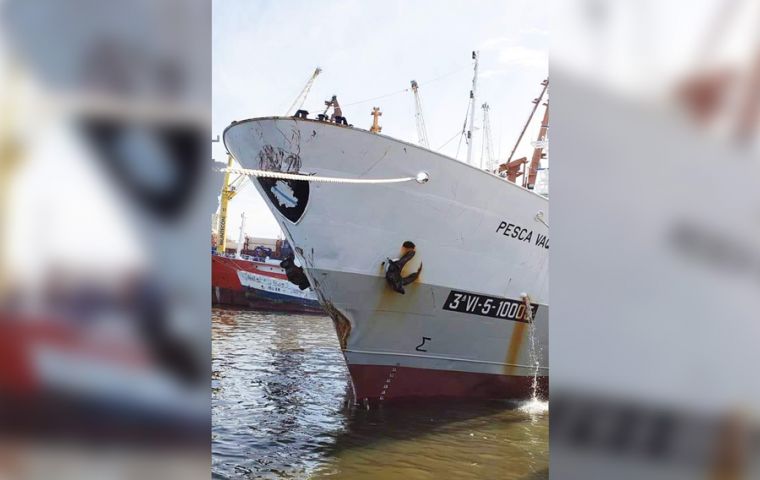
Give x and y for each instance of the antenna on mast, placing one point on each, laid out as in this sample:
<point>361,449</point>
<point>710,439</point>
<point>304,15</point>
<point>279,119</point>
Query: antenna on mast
<point>301,98</point>
<point>487,147</point>
<point>421,129</point>
<point>472,107</point>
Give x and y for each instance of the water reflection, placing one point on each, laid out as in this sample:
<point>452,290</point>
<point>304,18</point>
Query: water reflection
<point>281,410</point>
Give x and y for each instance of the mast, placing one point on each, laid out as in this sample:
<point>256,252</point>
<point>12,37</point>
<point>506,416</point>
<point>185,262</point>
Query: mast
<point>487,146</point>
<point>421,129</point>
<point>472,107</point>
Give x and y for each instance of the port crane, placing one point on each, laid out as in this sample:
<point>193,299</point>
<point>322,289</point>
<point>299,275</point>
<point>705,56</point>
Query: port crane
<point>229,190</point>
<point>301,98</point>
<point>421,129</point>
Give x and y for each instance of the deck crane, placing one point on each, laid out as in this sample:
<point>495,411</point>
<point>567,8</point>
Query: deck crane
<point>229,190</point>
<point>529,180</point>
<point>536,103</point>
<point>487,146</point>
<point>513,169</point>
<point>301,98</point>
<point>421,129</point>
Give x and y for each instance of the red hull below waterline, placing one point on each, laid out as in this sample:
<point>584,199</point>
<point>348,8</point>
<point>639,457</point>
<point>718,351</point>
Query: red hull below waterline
<point>386,382</point>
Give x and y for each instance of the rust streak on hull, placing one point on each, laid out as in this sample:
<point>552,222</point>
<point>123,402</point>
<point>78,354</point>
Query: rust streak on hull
<point>515,344</point>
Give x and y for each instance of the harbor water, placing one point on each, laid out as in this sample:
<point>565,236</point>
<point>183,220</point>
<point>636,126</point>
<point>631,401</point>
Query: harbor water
<point>282,408</point>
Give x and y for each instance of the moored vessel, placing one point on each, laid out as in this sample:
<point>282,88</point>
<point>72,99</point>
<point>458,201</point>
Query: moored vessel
<point>467,249</point>
<point>258,284</point>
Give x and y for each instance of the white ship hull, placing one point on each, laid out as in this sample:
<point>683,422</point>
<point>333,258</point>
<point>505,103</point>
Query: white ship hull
<point>460,328</point>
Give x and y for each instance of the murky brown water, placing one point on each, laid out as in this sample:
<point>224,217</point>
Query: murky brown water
<point>281,410</point>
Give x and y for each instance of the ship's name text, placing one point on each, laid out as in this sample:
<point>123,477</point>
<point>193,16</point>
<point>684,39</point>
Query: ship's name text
<point>519,233</point>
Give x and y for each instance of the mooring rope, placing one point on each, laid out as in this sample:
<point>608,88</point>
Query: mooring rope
<point>421,177</point>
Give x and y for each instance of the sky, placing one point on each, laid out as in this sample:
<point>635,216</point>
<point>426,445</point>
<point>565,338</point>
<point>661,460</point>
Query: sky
<point>641,47</point>
<point>265,51</point>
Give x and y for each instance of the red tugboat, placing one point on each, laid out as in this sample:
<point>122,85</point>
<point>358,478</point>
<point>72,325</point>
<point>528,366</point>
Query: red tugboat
<point>260,285</point>
<point>256,282</point>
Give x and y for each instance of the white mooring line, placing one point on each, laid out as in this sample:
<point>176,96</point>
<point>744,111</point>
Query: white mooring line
<point>421,177</point>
